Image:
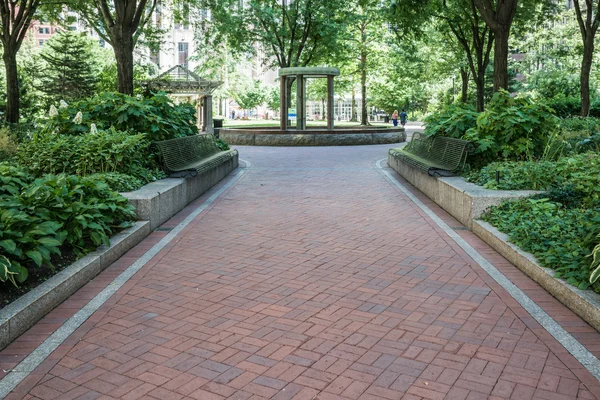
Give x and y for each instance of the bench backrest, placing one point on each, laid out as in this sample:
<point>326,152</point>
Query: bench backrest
<point>449,152</point>
<point>179,152</point>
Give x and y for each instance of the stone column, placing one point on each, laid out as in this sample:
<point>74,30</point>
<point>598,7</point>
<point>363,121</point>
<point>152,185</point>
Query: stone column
<point>300,103</point>
<point>330,101</point>
<point>283,118</point>
<point>209,114</point>
<point>199,112</point>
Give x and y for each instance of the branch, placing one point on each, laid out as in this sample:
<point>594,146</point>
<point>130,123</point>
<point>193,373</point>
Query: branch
<point>487,13</point>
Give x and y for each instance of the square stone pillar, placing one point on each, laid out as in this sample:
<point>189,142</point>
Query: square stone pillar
<point>283,96</point>
<point>209,114</point>
<point>300,103</point>
<point>330,102</point>
<point>200,113</point>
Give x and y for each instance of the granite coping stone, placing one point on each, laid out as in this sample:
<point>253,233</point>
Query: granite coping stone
<point>585,303</point>
<point>464,200</point>
<point>23,313</point>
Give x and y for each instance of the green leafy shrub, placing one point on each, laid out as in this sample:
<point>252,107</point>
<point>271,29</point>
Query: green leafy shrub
<point>221,144</point>
<point>559,237</point>
<point>117,181</point>
<point>582,172</point>
<point>39,218</point>
<point>565,107</point>
<point>157,117</point>
<point>453,121</point>
<point>105,151</point>
<point>512,128</point>
<point>8,145</point>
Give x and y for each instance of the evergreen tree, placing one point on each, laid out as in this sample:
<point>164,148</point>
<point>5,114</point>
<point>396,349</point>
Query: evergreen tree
<point>69,72</point>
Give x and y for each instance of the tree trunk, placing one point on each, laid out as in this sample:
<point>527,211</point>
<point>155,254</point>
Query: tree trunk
<point>363,87</point>
<point>480,83</point>
<point>123,47</point>
<point>501,59</point>
<point>464,75</point>
<point>586,67</point>
<point>12,87</point>
<point>353,112</point>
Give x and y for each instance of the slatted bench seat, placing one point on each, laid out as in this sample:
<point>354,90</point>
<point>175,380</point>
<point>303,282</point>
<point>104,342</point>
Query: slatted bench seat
<point>192,154</point>
<point>438,156</point>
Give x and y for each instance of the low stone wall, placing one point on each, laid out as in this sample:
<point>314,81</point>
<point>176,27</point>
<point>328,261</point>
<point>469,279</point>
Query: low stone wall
<point>345,137</point>
<point>463,200</point>
<point>584,303</point>
<point>158,201</point>
<point>20,315</point>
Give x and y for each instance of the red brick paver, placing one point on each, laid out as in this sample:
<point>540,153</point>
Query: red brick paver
<point>311,278</point>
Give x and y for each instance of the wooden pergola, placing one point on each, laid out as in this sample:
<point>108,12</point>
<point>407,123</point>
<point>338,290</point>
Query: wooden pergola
<point>181,82</point>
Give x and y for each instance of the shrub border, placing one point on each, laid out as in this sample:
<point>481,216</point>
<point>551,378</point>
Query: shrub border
<point>23,313</point>
<point>584,303</point>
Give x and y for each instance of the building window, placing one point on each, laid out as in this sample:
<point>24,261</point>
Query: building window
<point>183,54</point>
<point>44,31</point>
<point>41,42</point>
<point>102,43</point>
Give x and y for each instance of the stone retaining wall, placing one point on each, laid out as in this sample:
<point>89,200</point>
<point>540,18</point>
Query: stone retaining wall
<point>158,201</point>
<point>465,201</point>
<point>349,137</point>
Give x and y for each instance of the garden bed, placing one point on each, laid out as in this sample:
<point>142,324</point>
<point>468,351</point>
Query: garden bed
<point>463,200</point>
<point>24,312</point>
<point>584,303</point>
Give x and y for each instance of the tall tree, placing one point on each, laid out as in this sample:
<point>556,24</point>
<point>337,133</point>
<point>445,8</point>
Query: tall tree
<point>366,22</point>
<point>499,18</point>
<point>16,16</point>
<point>288,33</point>
<point>588,26</point>
<point>475,37</point>
<point>121,23</point>
<point>69,72</point>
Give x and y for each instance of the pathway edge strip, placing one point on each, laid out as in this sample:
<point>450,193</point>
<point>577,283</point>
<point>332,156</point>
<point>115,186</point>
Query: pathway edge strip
<point>40,353</point>
<point>572,345</point>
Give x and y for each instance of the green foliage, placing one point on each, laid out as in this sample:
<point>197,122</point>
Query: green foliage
<point>566,107</point>
<point>69,72</point>
<point>512,128</point>
<point>557,236</point>
<point>42,217</point>
<point>105,151</point>
<point>453,121</point>
<point>12,272</point>
<point>156,116</point>
<point>581,172</point>
<point>117,181</point>
<point>221,144</point>
<point>595,266</point>
<point>108,77</point>
<point>8,145</point>
<point>251,96</point>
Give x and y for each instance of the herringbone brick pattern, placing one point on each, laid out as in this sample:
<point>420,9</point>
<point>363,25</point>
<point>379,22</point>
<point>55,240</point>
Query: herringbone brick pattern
<point>312,278</point>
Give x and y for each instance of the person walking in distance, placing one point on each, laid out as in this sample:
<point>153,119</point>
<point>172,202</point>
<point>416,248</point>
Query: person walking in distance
<point>395,118</point>
<point>403,117</point>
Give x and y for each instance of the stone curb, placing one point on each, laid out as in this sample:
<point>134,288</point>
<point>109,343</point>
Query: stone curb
<point>23,313</point>
<point>584,303</point>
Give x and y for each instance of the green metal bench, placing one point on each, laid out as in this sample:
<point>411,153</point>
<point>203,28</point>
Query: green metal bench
<point>438,156</point>
<point>192,154</point>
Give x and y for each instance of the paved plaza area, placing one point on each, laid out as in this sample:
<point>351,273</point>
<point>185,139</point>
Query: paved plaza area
<point>310,274</point>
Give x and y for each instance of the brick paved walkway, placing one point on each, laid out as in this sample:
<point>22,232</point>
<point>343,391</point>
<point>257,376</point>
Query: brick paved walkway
<point>311,278</point>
